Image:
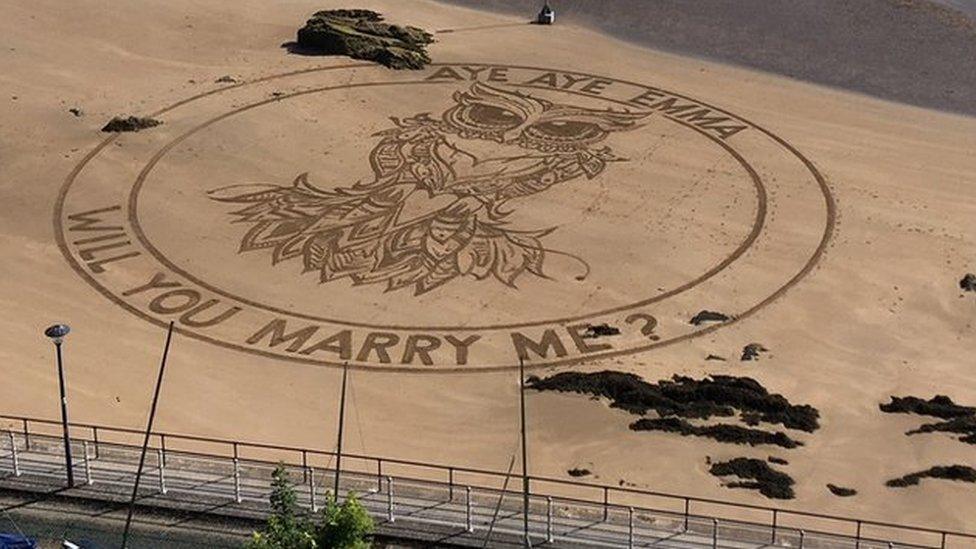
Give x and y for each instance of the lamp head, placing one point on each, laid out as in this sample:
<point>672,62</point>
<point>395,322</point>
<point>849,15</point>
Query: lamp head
<point>57,332</point>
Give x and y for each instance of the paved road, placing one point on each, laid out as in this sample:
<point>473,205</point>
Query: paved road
<point>52,519</point>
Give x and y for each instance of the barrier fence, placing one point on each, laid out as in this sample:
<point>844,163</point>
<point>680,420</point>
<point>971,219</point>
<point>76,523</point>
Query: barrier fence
<point>557,505</point>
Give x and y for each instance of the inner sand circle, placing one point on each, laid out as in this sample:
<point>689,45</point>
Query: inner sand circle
<point>663,164</point>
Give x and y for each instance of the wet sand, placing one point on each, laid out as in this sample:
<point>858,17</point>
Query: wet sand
<point>913,51</point>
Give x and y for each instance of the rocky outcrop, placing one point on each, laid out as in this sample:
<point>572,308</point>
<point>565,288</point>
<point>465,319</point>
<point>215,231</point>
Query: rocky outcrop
<point>130,124</point>
<point>963,473</point>
<point>686,397</point>
<point>362,34</point>
<point>708,316</point>
<point>968,283</point>
<point>757,475</point>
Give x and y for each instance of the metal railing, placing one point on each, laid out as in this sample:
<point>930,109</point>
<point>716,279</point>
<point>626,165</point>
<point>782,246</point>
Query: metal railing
<point>610,504</point>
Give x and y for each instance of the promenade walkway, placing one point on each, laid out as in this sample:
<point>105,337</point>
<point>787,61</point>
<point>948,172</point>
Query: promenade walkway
<point>415,508</point>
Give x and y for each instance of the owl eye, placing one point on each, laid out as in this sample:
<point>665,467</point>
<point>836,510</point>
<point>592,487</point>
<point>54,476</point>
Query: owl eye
<point>491,117</point>
<point>565,130</point>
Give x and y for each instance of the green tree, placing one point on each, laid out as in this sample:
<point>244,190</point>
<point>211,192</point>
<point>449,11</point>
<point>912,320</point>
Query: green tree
<point>346,526</point>
<point>287,527</point>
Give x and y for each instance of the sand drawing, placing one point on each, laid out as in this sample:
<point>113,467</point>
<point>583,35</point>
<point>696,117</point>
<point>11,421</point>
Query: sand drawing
<point>369,233</point>
<point>476,195</point>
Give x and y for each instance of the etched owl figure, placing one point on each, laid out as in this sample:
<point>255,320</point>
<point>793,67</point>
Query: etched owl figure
<point>436,207</point>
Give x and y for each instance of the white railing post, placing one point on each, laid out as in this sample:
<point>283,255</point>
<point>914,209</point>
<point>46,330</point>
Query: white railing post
<point>468,520</point>
<point>389,499</point>
<point>13,454</point>
<point>88,474</point>
<point>162,471</point>
<point>606,504</point>
<point>311,489</point>
<point>802,535</point>
<point>237,480</point>
<point>630,527</point>
<point>549,537</point>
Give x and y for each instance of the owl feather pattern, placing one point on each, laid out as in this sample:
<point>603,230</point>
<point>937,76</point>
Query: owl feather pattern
<point>433,212</point>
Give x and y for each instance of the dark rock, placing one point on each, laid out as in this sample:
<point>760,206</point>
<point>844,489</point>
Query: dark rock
<point>962,473</point>
<point>708,316</point>
<point>686,397</point>
<point>777,460</point>
<point>968,283</point>
<point>76,111</point>
<point>939,406</point>
<point>362,34</point>
<point>226,79</point>
<point>760,476</point>
<point>841,491</point>
<point>956,418</point>
<point>578,472</point>
<point>964,425</point>
<point>752,351</point>
<point>751,418</point>
<point>594,331</point>
<point>130,124</point>
<point>721,432</point>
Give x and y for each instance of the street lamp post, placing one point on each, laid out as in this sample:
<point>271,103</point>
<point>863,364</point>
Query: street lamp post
<point>57,333</point>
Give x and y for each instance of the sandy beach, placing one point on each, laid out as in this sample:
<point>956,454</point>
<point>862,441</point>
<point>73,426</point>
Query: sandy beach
<point>825,206</point>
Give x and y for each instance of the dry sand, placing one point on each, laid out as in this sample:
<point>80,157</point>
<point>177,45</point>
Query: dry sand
<point>879,314</point>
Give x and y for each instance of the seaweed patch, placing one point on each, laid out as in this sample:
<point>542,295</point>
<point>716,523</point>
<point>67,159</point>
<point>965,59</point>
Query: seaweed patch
<point>962,473</point>
<point>939,406</point>
<point>686,397</point>
<point>957,419</point>
<point>757,475</point>
<point>841,491</point>
<point>129,124</point>
<point>721,432</point>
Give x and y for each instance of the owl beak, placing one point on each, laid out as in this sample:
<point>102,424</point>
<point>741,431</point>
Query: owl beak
<point>511,135</point>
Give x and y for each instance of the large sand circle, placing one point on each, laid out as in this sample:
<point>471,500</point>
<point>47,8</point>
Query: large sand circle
<point>508,206</point>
